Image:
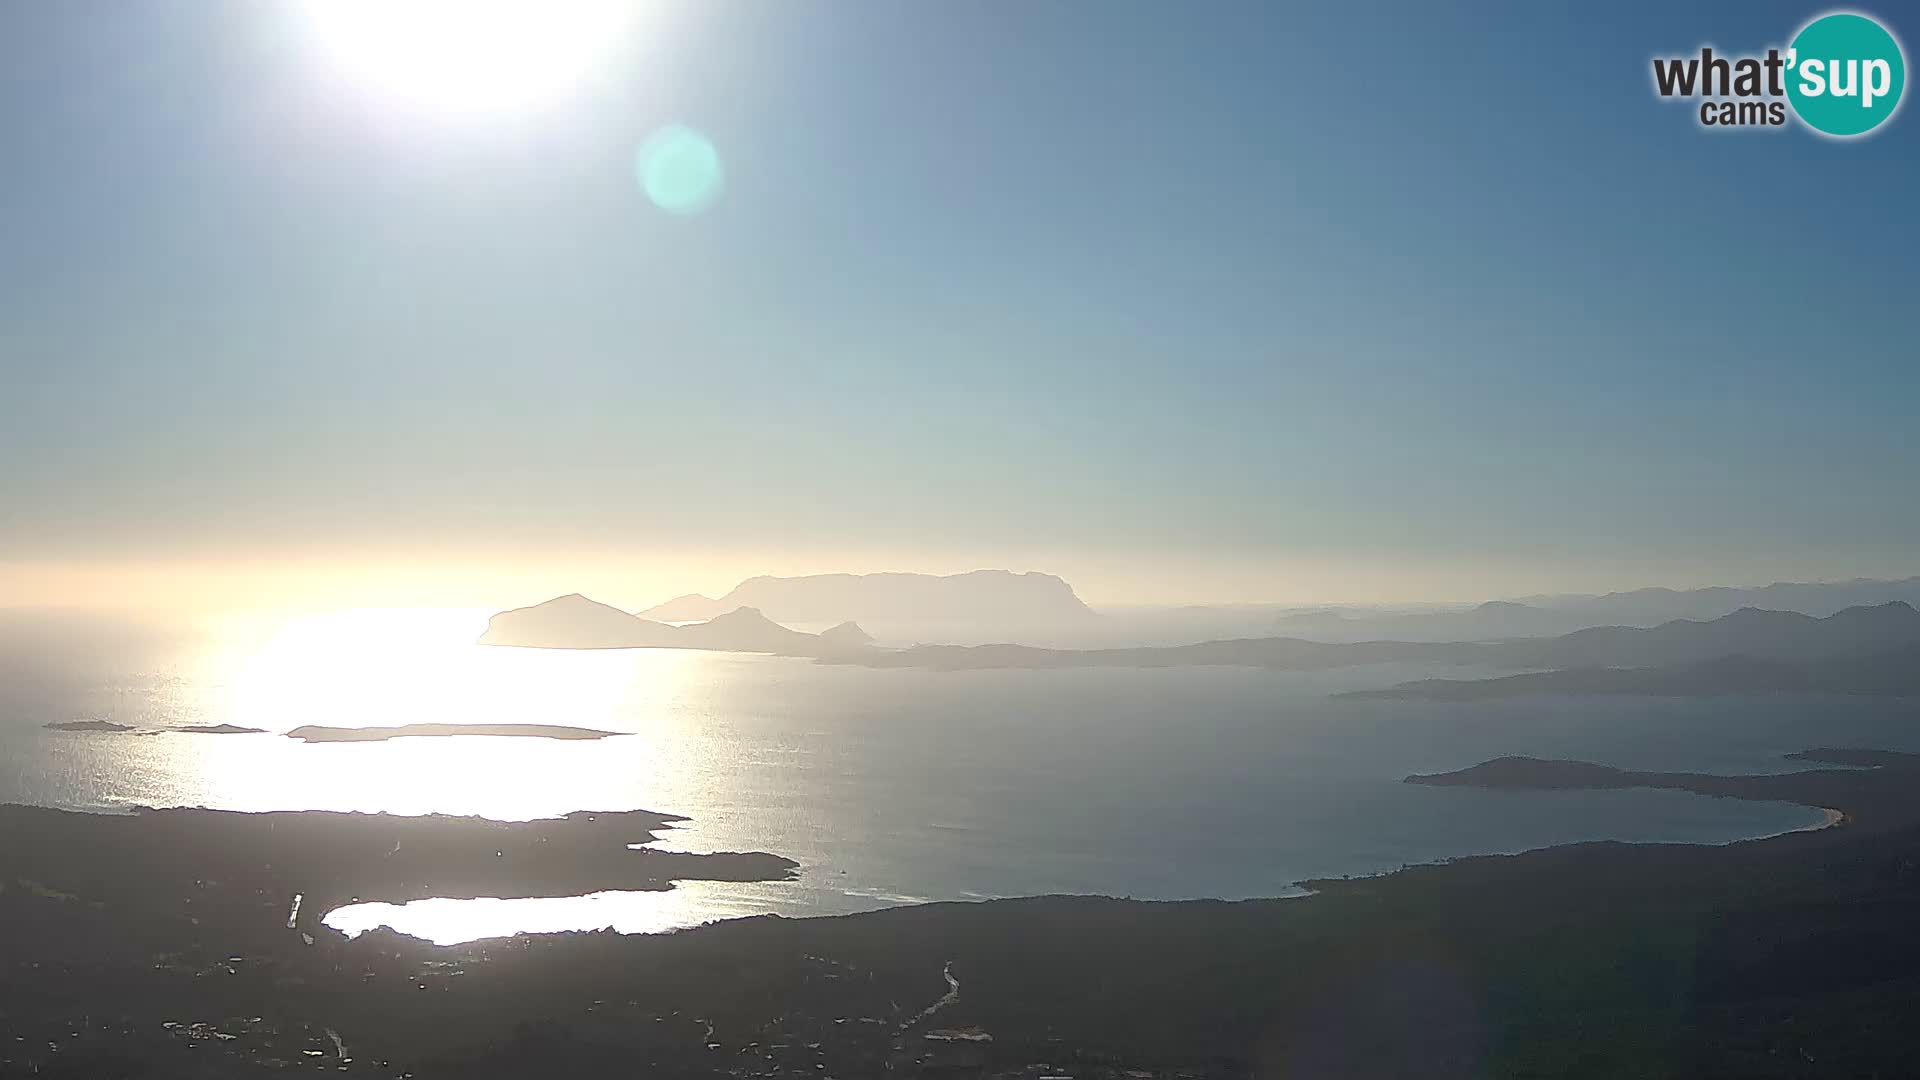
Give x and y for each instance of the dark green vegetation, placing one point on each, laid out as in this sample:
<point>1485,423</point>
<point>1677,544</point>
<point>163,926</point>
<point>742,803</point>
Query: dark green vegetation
<point>178,881</point>
<point>1794,956</point>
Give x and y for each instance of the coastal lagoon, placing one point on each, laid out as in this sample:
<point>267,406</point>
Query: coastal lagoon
<point>887,786</point>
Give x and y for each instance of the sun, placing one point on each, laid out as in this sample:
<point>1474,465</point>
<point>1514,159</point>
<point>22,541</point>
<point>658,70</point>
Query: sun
<point>470,56</point>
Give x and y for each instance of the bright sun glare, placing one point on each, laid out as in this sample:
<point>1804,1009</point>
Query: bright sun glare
<point>469,55</point>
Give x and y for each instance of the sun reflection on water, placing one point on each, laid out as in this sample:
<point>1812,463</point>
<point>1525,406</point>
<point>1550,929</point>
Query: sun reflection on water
<point>885,787</point>
<point>454,922</point>
<point>378,668</point>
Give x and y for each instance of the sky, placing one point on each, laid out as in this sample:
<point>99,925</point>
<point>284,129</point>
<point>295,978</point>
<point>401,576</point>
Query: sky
<point>1231,301</point>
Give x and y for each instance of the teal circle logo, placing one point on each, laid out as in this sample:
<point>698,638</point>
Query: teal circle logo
<point>679,170</point>
<point>1845,73</point>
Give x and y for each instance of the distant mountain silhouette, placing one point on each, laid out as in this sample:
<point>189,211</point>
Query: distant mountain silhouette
<point>575,622</point>
<point>1752,632</point>
<point>689,608</point>
<point>1308,621</point>
<point>1892,673</point>
<point>1547,616</point>
<point>1490,621</point>
<point>847,635</point>
<point>1281,654</point>
<point>1646,607</point>
<point>998,597</point>
<point>746,630</point>
<point>1766,635</point>
<point>1858,650</point>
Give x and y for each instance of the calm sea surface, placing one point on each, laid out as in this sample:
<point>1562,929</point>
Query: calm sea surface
<point>887,786</point>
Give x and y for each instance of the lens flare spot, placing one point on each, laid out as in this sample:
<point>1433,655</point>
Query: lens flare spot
<point>679,169</point>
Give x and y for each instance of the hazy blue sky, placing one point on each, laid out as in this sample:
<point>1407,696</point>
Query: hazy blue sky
<point>1341,301</point>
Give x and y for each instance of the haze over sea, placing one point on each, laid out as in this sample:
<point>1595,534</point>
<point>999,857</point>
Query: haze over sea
<point>888,786</point>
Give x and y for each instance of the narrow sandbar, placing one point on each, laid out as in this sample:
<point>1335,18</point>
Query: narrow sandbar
<point>316,733</point>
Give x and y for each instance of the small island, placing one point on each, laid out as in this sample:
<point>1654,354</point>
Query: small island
<point>314,733</point>
<point>188,729</point>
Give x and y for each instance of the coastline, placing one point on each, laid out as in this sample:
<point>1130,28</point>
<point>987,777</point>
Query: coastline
<point>190,934</point>
<point>701,900</point>
<point>1831,818</point>
<point>1868,785</point>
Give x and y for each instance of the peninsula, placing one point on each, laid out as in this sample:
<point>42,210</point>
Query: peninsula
<point>162,937</point>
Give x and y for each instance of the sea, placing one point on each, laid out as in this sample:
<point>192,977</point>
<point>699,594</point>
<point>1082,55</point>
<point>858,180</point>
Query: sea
<point>886,786</point>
